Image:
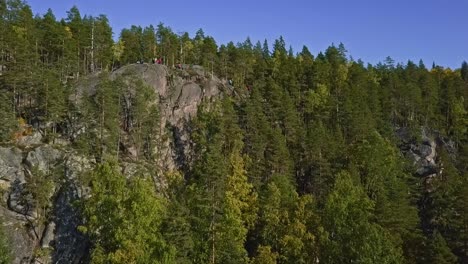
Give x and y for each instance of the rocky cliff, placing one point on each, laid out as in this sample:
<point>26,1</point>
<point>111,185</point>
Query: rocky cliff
<point>49,233</point>
<point>422,152</point>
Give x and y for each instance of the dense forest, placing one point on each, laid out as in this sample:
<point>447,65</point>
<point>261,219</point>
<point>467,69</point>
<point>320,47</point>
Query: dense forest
<point>302,163</point>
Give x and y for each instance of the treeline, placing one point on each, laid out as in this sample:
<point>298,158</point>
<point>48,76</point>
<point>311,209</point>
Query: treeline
<point>304,168</point>
<point>307,168</point>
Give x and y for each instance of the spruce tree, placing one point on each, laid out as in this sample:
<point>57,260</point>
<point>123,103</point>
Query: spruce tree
<point>352,236</point>
<point>440,252</point>
<point>123,219</point>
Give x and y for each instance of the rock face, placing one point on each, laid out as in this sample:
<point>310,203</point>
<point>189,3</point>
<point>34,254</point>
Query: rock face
<point>71,246</point>
<point>42,158</point>
<point>10,166</point>
<point>34,139</point>
<point>19,217</point>
<point>423,152</point>
<point>179,93</point>
<point>19,237</point>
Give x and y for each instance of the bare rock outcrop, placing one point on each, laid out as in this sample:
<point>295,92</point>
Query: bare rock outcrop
<point>10,166</point>
<point>178,93</point>
<point>423,152</point>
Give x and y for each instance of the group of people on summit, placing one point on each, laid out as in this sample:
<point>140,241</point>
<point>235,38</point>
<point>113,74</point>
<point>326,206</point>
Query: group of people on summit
<point>181,67</point>
<point>157,60</point>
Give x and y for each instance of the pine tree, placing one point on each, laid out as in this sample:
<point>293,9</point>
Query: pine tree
<point>461,237</point>
<point>123,219</point>
<point>464,71</point>
<point>257,131</point>
<point>221,198</point>
<point>176,228</point>
<point>132,45</point>
<point>148,39</point>
<point>103,43</point>
<point>265,256</point>
<point>107,111</point>
<point>7,116</point>
<point>51,99</point>
<point>22,74</point>
<point>358,120</point>
<point>239,213</point>
<point>168,45</point>
<point>79,39</point>
<point>385,181</point>
<point>142,117</point>
<point>440,252</point>
<point>287,225</point>
<point>318,178</point>
<point>352,236</point>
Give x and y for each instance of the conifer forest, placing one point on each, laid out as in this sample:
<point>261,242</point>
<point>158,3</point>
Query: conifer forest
<point>150,146</point>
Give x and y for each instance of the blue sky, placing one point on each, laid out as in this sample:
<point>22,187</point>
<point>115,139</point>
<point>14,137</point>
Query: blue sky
<point>432,30</point>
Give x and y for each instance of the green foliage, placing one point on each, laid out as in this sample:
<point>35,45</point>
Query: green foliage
<point>145,115</point>
<point>8,118</point>
<point>41,187</point>
<point>265,256</point>
<point>103,43</point>
<point>440,252</point>
<point>51,98</point>
<point>460,235</point>
<point>383,177</point>
<point>132,43</point>
<point>464,71</point>
<point>352,235</point>
<point>287,225</point>
<point>123,219</point>
<point>223,202</point>
<point>176,227</point>
<point>459,119</point>
<point>263,184</point>
<point>102,113</point>
<point>168,44</point>
<point>5,251</point>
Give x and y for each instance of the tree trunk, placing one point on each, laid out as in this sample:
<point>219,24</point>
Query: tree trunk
<point>101,143</point>
<point>213,249</point>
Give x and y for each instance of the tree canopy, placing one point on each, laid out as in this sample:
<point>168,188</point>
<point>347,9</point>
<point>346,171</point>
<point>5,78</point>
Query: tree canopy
<point>300,165</point>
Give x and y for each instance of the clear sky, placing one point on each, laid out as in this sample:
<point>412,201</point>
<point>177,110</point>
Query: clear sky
<point>432,30</point>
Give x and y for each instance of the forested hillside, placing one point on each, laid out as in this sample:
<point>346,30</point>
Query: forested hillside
<point>233,153</point>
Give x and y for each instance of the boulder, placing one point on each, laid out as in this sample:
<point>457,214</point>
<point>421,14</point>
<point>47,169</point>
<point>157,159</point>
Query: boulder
<point>426,168</point>
<point>133,169</point>
<point>31,140</point>
<point>10,166</point>
<point>154,75</point>
<point>198,70</point>
<point>20,240</point>
<point>48,235</point>
<point>421,152</point>
<point>191,94</point>
<point>211,88</point>
<point>75,165</point>
<point>43,158</point>
<point>424,150</point>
